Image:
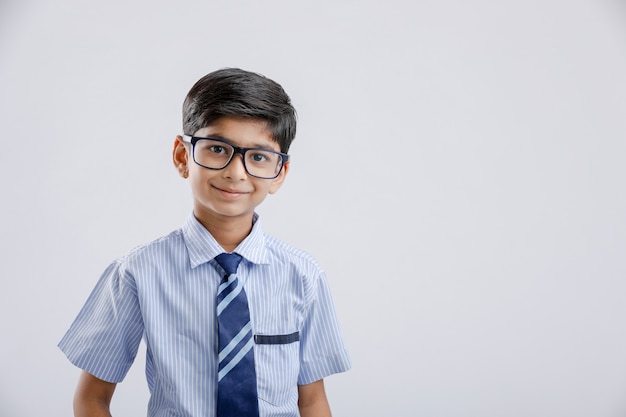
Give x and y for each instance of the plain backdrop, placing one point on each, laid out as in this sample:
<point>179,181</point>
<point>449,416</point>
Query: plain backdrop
<point>458,170</point>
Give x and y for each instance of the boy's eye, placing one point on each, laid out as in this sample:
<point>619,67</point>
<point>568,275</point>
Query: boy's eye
<point>217,149</point>
<point>258,157</point>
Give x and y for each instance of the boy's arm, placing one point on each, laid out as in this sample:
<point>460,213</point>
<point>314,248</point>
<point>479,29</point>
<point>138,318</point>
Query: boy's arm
<point>312,400</point>
<point>93,396</point>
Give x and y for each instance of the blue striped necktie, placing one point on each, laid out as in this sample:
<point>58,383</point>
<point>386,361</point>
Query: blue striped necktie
<point>236,388</point>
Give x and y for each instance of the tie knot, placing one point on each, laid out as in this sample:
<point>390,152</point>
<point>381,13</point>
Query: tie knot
<point>229,261</point>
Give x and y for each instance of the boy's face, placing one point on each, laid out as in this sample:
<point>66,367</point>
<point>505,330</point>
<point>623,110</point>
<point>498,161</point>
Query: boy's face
<point>229,193</point>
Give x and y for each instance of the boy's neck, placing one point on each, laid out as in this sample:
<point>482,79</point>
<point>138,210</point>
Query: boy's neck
<point>229,233</point>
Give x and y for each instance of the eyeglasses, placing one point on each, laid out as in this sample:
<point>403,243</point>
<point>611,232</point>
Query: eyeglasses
<point>216,154</point>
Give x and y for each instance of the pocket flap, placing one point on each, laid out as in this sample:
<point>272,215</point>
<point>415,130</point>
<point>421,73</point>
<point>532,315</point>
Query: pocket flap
<point>278,339</point>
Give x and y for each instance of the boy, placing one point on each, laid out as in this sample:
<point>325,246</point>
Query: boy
<point>236,323</point>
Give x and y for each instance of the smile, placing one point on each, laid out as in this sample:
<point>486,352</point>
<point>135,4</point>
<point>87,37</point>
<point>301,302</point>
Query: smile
<point>230,194</point>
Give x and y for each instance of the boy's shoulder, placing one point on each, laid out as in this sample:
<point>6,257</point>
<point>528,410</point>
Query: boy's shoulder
<point>160,246</point>
<point>280,251</point>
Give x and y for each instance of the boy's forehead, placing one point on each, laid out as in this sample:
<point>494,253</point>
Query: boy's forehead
<point>243,132</point>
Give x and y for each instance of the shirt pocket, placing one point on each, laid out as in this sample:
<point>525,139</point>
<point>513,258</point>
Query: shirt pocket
<point>278,364</point>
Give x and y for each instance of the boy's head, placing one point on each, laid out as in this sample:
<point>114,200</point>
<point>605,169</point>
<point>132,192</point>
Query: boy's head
<point>233,92</point>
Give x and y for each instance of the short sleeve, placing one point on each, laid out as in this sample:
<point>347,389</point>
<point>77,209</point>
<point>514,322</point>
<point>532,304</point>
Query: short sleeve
<point>104,338</point>
<point>322,351</point>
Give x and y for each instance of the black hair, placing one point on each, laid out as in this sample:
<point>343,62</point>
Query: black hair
<point>238,93</point>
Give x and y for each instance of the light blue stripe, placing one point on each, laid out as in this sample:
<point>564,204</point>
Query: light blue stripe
<point>225,285</point>
<point>235,341</point>
<point>230,297</point>
<point>244,350</point>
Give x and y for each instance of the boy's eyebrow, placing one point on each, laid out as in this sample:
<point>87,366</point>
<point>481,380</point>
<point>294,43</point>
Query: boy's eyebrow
<point>231,142</point>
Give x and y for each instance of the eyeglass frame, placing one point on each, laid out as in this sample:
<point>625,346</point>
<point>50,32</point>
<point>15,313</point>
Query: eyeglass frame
<point>236,150</point>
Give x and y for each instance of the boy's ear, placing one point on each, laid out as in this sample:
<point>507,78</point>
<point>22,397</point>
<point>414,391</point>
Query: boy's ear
<point>278,181</point>
<point>180,157</point>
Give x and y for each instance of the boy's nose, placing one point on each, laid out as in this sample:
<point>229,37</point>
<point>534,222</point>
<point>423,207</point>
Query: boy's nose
<point>235,168</point>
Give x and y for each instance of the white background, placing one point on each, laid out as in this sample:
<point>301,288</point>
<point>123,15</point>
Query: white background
<point>458,170</point>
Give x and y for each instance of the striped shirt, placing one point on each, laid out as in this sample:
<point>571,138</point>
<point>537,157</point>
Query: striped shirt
<point>165,291</point>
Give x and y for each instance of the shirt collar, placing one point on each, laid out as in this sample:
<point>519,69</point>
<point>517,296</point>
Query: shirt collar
<point>202,246</point>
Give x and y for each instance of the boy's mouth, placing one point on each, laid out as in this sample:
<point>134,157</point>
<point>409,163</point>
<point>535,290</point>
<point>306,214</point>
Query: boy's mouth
<point>230,193</point>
